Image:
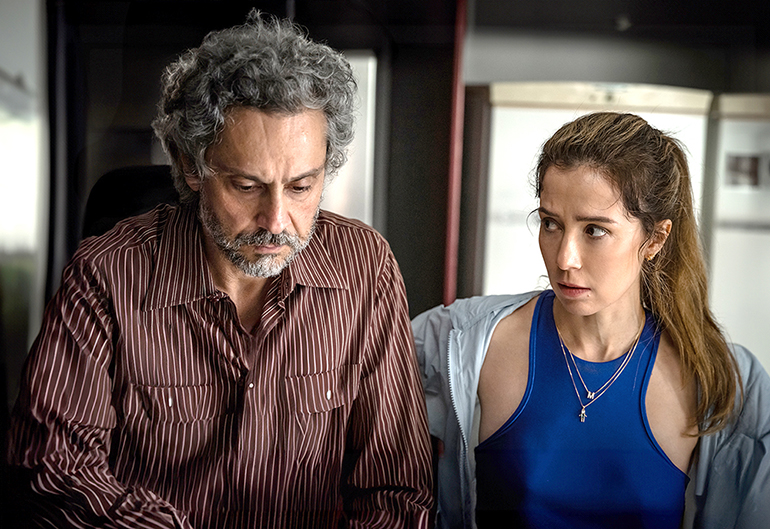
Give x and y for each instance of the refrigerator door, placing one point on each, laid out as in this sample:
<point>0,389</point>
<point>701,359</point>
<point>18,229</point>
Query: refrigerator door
<point>351,192</point>
<point>740,255</point>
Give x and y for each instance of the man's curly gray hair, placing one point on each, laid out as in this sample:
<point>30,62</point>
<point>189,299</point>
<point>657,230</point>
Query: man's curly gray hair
<point>266,63</point>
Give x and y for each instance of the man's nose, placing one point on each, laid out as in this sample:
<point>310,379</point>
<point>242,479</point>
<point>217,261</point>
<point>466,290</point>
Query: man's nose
<point>272,214</point>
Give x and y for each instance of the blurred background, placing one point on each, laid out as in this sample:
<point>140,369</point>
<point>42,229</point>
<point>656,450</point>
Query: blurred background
<point>456,98</point>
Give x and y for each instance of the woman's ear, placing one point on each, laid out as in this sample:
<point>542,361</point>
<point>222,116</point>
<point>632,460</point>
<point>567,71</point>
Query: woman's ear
<point>658,238</point>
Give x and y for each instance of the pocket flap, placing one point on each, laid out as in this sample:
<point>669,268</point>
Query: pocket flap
<point>320,392</point>
<point>184,403</point>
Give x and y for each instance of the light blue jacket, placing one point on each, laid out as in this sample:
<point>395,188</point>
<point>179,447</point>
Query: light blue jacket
<point>729,481</point>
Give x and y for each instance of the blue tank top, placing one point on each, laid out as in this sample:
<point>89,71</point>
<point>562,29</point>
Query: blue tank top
<point>544,468</point>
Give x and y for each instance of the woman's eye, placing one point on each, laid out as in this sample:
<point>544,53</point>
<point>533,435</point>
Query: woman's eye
<point>548,224</point>
<point>596,231</point>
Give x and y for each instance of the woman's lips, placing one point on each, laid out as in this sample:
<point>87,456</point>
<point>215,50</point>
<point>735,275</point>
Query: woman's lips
<point>572,291</point>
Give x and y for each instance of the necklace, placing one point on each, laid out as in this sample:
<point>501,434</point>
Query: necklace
<point>593,396</point>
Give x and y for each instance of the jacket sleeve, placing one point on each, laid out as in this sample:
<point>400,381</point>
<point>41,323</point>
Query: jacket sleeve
<point>431,335</point>
<point>63,421</point>
<point>388,480</point>
<point>732,482</point>
<point>432,330</point>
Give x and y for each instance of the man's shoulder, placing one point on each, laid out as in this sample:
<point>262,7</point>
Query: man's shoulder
<point>348,249</point>
<point>345,226</point>
<point>141,232</point>
<point>338,232</point>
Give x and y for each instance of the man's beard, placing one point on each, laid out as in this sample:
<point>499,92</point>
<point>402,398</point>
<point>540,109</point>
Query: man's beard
<point>268,265</point>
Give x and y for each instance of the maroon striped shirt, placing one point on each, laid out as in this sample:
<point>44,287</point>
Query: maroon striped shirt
<point>145,403</point>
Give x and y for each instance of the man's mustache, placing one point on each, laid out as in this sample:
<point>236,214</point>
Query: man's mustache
<point>263,237</point>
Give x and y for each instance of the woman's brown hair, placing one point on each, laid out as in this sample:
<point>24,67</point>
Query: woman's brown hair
<point>649,169</point>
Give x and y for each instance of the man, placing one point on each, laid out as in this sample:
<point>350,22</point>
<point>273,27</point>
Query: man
<point>246,359</point>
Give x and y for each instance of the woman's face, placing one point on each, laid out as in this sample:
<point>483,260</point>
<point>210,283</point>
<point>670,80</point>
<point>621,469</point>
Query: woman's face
<point>590,246</point>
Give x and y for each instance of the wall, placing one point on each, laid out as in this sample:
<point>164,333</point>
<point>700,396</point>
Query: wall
<point>495,55</point>
<point>22,202</point>
<point>22,193</point>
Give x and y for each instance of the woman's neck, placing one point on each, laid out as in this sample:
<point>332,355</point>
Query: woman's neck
<point>600,337</point>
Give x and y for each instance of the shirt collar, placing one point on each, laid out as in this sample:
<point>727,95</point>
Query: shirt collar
<point>314,266</point>
<point>182,272</point>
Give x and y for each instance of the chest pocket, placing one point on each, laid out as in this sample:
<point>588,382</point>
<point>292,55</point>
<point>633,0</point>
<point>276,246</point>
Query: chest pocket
<point>182,424</point>
<point>323,392</point>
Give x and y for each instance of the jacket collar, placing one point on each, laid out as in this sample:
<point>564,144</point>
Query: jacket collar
<point>466,313</point>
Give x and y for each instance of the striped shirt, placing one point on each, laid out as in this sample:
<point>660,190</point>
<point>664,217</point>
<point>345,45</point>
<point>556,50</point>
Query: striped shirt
<point>145,403</point>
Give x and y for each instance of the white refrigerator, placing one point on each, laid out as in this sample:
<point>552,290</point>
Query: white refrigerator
<point>740,255</point>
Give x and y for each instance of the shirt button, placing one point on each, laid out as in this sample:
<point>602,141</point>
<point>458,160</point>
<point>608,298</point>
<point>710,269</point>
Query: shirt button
<point>251,385</point>
<point>329,395</point>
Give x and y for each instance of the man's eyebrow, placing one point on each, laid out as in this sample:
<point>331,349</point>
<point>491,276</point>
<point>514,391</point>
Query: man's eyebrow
<point>311,173</point>
<point>597,218</point>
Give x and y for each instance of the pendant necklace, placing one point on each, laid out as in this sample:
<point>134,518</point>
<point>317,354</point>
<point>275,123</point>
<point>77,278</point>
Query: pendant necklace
<point>593,396</point>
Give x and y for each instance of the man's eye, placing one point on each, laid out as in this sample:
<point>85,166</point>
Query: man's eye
<point>242,185</point>
<point>301,189</point>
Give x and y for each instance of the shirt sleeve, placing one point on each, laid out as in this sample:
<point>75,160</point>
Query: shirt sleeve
<point>387,481</point>
<point>62,424</point>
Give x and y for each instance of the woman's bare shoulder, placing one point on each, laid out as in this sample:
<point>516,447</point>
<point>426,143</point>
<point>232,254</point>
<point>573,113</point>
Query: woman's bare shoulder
<point>503,377</point>
<point>519,321</point>
<point>671,402</point>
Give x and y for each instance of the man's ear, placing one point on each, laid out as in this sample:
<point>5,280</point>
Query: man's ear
<point>190,174</point>
<point>658,238</point>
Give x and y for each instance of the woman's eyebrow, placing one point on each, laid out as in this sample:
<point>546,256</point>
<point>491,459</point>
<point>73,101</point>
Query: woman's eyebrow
<point>597,218</point>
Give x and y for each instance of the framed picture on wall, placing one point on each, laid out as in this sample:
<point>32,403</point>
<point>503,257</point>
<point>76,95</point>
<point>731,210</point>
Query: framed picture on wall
<point>743,161</point>
<point>742,170</point>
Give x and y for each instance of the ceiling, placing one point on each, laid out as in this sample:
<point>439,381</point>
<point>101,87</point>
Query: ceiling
<point>704,22</point>
<point>699,22</point>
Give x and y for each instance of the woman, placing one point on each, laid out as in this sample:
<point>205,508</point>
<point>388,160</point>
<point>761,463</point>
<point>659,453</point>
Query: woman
<point>589,404</point>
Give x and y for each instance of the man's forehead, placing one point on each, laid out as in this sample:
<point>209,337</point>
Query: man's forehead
<point>234,113</point>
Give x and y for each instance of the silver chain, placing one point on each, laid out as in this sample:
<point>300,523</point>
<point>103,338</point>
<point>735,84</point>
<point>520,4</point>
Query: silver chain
<point>593,396</point>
